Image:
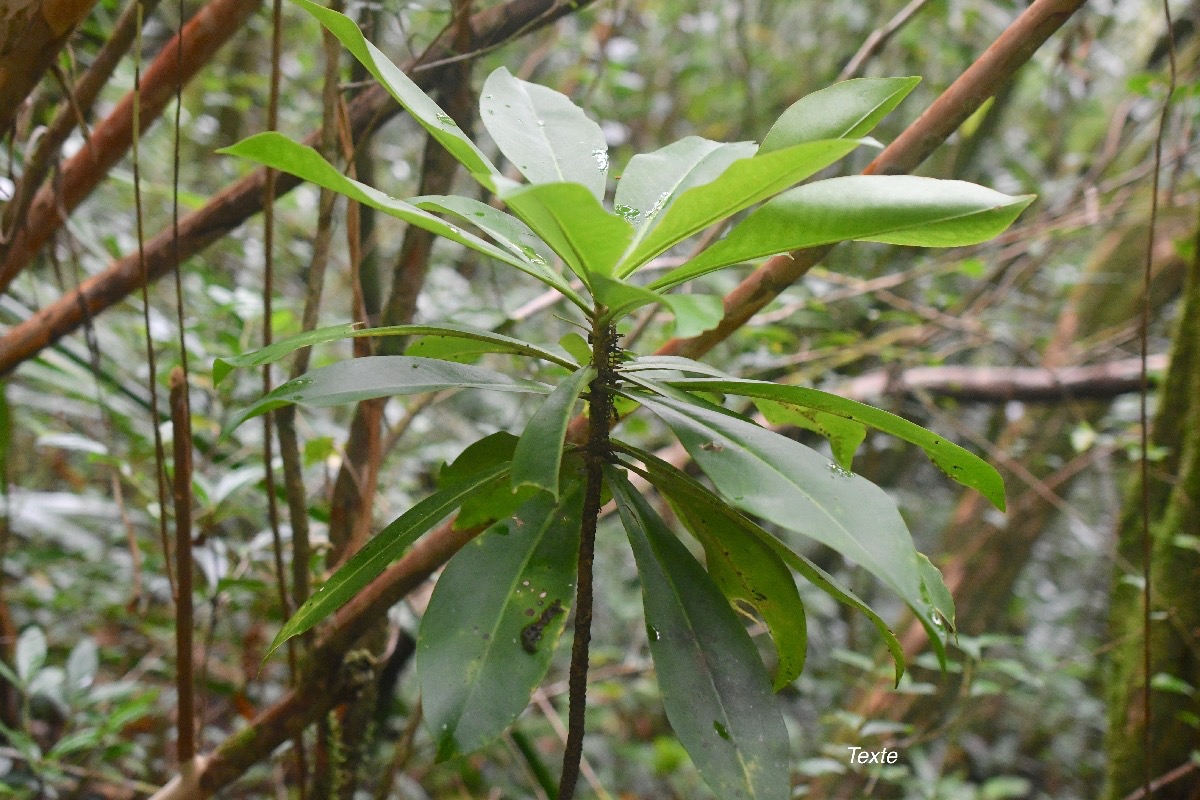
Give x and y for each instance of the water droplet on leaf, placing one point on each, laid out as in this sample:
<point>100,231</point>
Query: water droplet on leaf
<point>627,213</point>
<point>601,157</point>
<point>445,119</point>
<point>839,471</point>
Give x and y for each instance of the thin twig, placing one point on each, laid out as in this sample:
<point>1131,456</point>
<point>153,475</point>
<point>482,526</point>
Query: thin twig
<point>1146,722</point>
<point>184,617</point>
<point>878,38</point>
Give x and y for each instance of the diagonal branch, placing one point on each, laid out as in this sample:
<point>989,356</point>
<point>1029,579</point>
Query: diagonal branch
<point>111,139</point>
<point>32,32</point>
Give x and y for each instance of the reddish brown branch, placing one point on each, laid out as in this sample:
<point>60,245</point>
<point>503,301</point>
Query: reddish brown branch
<point>83,95</point>
<point>111,139</point>
<point>33,33</point>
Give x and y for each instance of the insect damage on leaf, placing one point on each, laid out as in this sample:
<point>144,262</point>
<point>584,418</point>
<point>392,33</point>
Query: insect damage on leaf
<point>532,633</point>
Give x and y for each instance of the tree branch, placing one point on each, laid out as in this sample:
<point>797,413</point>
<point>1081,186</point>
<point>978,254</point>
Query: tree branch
<point>31,36</point>
<point>111,139</point>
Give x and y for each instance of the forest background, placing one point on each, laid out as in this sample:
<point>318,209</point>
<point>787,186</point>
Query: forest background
<point>1025,350</point>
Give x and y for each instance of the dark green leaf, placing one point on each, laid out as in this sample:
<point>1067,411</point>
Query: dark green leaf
<point>545,136</point>
<point>491,503</point>
<point>896,209</point>
<point>747,570</point>
<point>682,488</point>
<point>490,630</point>
<point>715,689</point>
<point>961,465</point>
<point>745,182</point>
<point>539,452</point>
<point>381,376</point>
<point>386,547</point>
<point>843,111</point>
<point>497,343</point>
<point>573,223</point>
<point>422,107</point>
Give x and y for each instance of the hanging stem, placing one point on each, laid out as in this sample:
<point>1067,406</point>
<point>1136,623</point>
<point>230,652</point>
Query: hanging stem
<point>597,452</point>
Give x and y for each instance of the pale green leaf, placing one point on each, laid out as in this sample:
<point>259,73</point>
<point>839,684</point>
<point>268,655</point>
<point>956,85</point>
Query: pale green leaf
<point>845,110</point>
<point>796,488</point>
<point>498,343</point>
<point>422,107</point>
<point>276,151</point>
<point>366,378</point>
<point>959,464</point>
<point>743,183</point>
<point>896,209</point>
<point>545,136</point>
<point>684,489</point>
<point>844,435</point>
<point>572,222</point>
<point>652,181</point>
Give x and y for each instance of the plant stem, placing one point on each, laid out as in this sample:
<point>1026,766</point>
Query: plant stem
<point>598,452</point>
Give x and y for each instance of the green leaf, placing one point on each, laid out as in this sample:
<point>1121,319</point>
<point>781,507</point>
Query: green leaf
<point>491,503</point>
<point>386,547</point>
<point>937,596</point>
<point>497,343</point>
<point>545,136</point>
<point>714,687</point>
<point>673,363</point>
<point>694,313</point>
<point>651,182</point>
<point>959,464</point>
<point>380,376</point>
<point>489,632</point>
<point>747,570</point>
<point>843,111</point>
<point>783,481</point>
<point>276,151</point>
<point>505,229</point>
<point>620,298</point>
<point>422,107</point>
<point>577,346</point>
<point>744,183</point>
<point>683,489</point>
<point>539,452</point>
<point>30,655</point>
<point>573,223</point>
<point>895,209</point>
<point>844,435</point>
